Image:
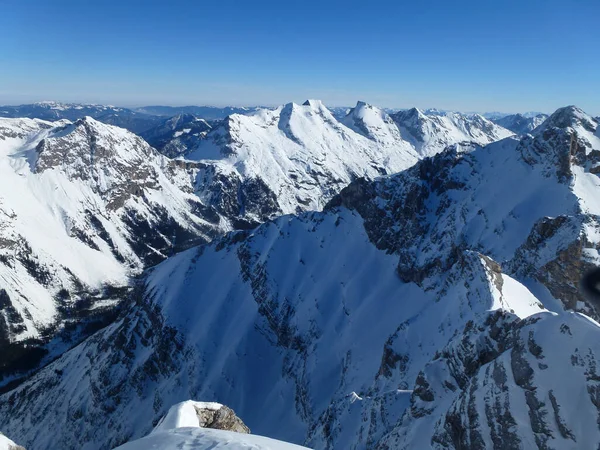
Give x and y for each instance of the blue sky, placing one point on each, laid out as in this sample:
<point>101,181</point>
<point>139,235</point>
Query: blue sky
<point>484,55</point>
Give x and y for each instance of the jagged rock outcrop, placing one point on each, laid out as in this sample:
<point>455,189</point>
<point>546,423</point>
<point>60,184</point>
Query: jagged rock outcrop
<point>203,415</point>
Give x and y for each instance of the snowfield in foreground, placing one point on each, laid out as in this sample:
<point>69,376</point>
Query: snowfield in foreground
<point>180,429</point>
<point>206,439</point>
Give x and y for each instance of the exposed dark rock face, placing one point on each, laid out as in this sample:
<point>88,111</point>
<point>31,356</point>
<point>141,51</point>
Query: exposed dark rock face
<point>246,202</point>
<point>177,135</point>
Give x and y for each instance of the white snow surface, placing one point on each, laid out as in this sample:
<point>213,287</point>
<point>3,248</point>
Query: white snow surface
<point>206,439</point>
<point>47,199</point>
<point>6,443</point>
<point>180,430</point>
<point>305,155</point>
<point>429,134</point>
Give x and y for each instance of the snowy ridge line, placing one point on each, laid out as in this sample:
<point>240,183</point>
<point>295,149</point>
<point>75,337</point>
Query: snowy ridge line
<point>462,292</point>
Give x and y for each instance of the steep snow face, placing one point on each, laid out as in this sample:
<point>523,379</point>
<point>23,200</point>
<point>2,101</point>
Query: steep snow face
<point>432,133</point>
<point>374,124</point>
<point>84,206</point>
<point>229,322</point>
<point>520,124</point>
<point>529,204</point>
<point>300,153</point>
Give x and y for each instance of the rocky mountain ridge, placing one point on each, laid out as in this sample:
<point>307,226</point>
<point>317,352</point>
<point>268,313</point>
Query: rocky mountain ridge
<point>430,308</point>
<point>85,207</point>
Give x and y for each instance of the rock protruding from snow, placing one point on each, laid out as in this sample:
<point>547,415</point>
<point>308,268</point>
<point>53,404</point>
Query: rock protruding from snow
<point>203,415</point>
<point>194,425</point>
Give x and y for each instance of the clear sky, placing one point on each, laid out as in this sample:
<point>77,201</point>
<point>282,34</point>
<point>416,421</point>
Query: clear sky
<point>484,55</point>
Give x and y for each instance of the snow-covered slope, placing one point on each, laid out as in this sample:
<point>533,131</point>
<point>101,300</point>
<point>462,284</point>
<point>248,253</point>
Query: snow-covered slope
<point>432,133</point>
<point>84,206</point>
<point>520,124</point>
<point>7,444</point>
<point>205,439</point>
<point>181,428</point>
<point>297,156</point>
<point>424,309</point>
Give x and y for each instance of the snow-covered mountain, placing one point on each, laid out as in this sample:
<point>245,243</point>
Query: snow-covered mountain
<point>84,207</point>
<point>110,193</point>
<point>431,133</point>
<point>290,159</point>
<point>134,121</point>
<point>431,308</point>
<point>206,112</point>
<point>299,156</point>
<point>176,135</point>
<point>520,124</point>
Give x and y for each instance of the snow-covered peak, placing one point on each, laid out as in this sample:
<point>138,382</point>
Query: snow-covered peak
<point>301,153</point>
<point>373,123</point>
<point>569,117</point>
<point>84,206</point>
<point>519,123</point>
<point>314,104</point>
